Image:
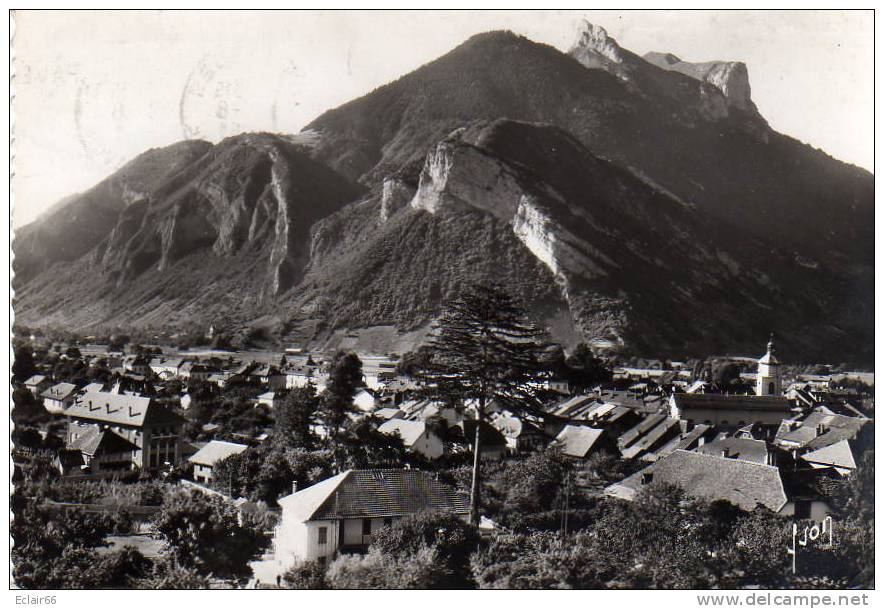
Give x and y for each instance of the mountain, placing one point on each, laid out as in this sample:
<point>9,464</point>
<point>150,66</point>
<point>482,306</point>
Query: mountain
<point>220,238</point>
<point>641,204</point>
<point>74,225</point>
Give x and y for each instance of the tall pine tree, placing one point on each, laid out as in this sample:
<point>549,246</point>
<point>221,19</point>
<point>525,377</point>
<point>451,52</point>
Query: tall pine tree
<point>486,350</point>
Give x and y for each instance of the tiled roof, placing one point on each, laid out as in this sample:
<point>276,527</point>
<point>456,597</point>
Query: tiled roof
<point>743,483</point>
<point>59,391</point>
<point>836,455</point>
<point>388,413</point>
<point>95,440</point>
<point>215,451</point>
<point>728,402</point>
<point>639,430</point>
<point>409,431</point>
<point>835,428</point>
<point>665,428</point>
<point>488,436</point>
<point>121,409</point>
<point>692,437</point>
<point>374,493</point>
<point>578,441</point>
<point>737,448</point>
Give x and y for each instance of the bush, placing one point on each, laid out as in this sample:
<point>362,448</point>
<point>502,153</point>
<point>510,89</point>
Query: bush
<point>377,571</point>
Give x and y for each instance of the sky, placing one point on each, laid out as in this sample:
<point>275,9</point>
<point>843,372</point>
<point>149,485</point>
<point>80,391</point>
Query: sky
<point>94,89</point>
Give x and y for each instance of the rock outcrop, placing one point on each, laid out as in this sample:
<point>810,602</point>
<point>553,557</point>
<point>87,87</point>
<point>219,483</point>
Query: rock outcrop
<point>729,77</point>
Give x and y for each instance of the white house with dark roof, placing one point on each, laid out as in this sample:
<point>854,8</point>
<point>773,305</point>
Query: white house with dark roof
<point>58,397</point>
<point>342,513</point>
<point>204,459</point>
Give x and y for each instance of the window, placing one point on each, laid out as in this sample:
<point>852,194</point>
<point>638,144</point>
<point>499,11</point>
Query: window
<point>323,536</point>
<point>770,390</point>
<point>366,526</point>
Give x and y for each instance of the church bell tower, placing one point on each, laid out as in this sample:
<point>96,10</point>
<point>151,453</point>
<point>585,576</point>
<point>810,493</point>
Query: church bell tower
<point>768,380</point>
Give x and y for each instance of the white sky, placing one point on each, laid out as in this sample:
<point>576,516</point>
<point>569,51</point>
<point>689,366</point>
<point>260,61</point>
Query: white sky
<point>94,89</point>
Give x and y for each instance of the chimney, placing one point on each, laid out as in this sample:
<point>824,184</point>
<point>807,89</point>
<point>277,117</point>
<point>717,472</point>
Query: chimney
<point>647,477</point>
<point>701,441</point>
<point>820,429</point>
<point>132,412</point>
<point>294,486</point>
<point>726,453</point>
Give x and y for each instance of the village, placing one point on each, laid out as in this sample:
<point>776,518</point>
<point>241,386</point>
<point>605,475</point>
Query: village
<point>319,456</point>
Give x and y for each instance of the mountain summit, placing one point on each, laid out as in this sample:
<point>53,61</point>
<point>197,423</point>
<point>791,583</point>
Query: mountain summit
<point>640,204</point>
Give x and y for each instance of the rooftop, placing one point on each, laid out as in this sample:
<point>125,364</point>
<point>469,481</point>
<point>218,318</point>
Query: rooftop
<point>215,451</point>
<point>373,493</point>
<point>742,483</point>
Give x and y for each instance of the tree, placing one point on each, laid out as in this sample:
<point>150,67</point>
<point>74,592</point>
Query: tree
<point>486,350</point>
<point>584,369</point>
<point>362,446</point>
<point>307,575</point>
<point>345,378</point>
<point>412,362</point>
<point>295,417</point>
<point>534,485</point>
<point>450,538</point>
<point>23,367</point>
<point>727,373</point>
<point>167,575</point>
<point>203,533</point>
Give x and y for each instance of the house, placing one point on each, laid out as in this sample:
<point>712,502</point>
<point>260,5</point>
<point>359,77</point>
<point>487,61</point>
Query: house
<point>269,376</point>
<point>58,397</point>
<point>37,383</point>
<point>91,387</point>
<point>820,428</point>
<point>342,513</point>
<point>137,364</point>
<point>746,449</point>
<point>205,458</point>
<point>388,413</point>
<point>729,410</point>
<point>153,428</point>
<point>267,399</point>
<point>492,443</point>
<point>839,456</point>
<point>364,400</point>
<point>166,368</point>
<point>522,436</point>
<point>96,450</point>
<point>416,437</point>
<point>711,477</point>
<point>579,442</point>
<point>299,376</point>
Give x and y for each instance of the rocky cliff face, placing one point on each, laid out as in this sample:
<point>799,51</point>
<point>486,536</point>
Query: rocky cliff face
<point>74,228</point>
<point>729,77</point>
<point>254,194</point>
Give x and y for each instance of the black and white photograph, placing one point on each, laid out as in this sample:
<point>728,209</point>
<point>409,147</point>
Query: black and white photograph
<point>455,300</point>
